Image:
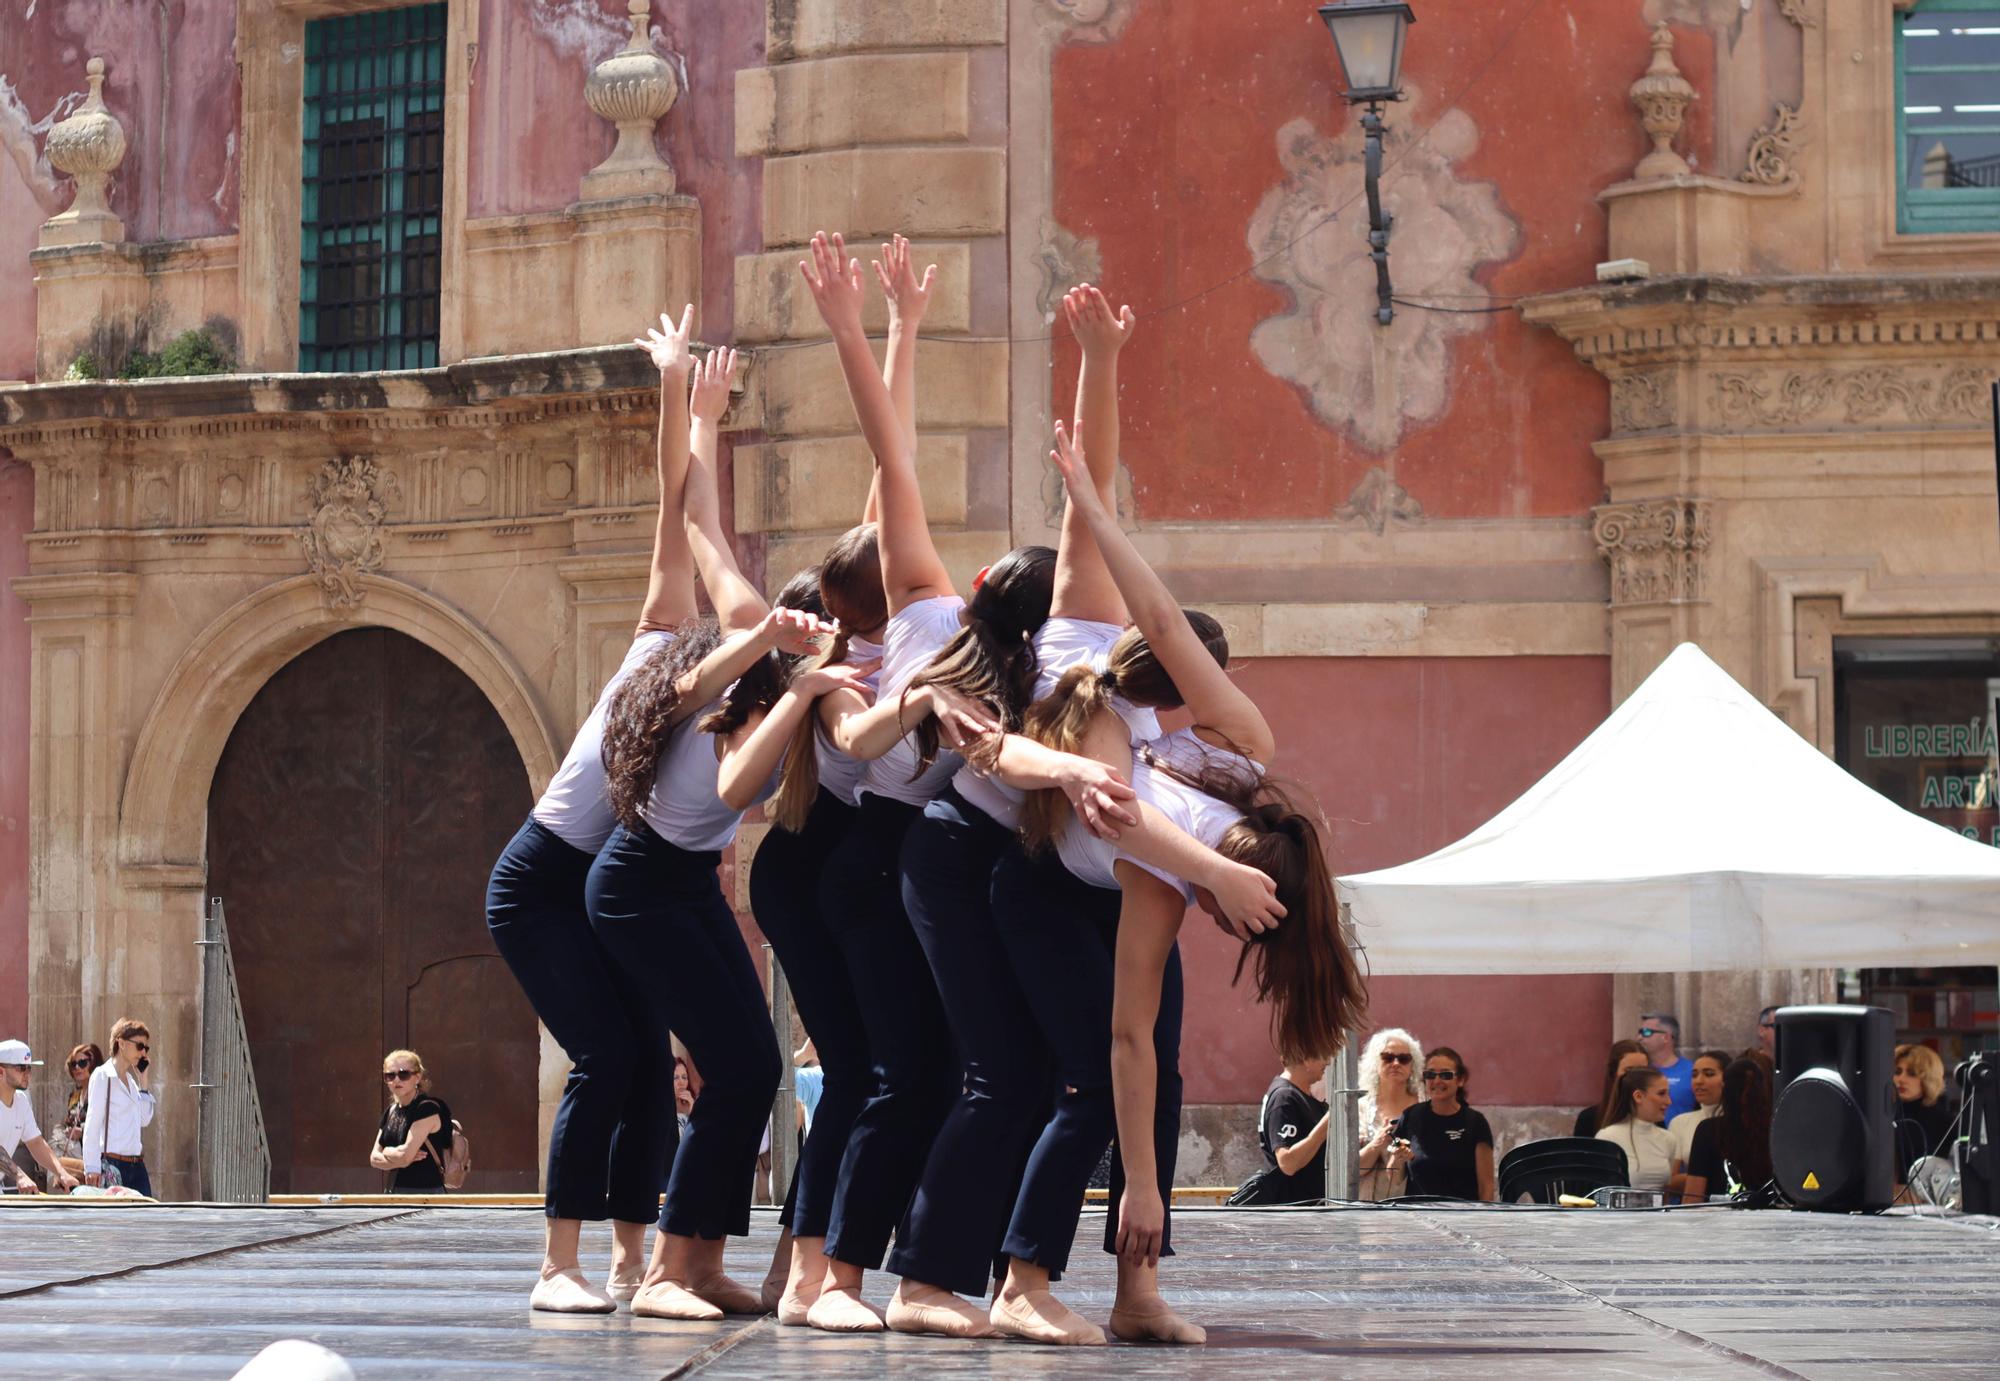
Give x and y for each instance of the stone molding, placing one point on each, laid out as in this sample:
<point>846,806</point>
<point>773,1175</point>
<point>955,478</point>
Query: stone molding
<point>1778,398</point>
<point>1643,400</point>
<point>1655,549</point>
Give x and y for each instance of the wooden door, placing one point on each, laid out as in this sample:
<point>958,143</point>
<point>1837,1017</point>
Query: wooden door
<point>354,817</point>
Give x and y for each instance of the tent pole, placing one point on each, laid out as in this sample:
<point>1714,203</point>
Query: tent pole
<point>1343,1151</point>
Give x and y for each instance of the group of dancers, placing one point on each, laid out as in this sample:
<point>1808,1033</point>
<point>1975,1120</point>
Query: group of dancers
<point>983,847</point>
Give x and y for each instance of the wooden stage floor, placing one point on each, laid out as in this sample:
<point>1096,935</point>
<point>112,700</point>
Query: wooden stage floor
<point>1392,1293</point>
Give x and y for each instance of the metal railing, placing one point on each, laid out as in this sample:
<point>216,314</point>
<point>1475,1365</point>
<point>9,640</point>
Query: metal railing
<point>784,1107</point>
<point>234,1154</point>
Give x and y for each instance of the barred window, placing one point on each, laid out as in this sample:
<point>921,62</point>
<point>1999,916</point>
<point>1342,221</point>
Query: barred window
<point>1948,116</point>
<point>373,170</point>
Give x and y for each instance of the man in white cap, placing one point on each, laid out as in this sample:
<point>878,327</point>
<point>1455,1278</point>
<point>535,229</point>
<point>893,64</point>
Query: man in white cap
<point>17,1120</point>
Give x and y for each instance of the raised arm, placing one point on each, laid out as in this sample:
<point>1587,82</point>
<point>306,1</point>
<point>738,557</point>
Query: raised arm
<point>867,732</point>
<point>670,600</point>
<point>909,297</point>
<point>1084,588</point>
<point>1215,701</point>
<point>911,568</point>
<point>738,605</point>
<point>1149,917</point>
<point>789,630</point>
<point>752,753</point>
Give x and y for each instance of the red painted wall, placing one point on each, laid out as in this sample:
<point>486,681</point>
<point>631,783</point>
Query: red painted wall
<point>17,517</point>
<point>1406,755</point>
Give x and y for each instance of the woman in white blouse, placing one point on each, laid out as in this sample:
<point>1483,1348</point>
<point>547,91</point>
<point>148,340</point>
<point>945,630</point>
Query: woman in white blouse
<point>1638,1128</point>
<point>1706,1084</point>
<point>120,1103</point>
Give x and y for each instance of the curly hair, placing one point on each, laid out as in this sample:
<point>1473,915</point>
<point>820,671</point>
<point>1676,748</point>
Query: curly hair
<point>641,716</point>
<point>1371,1069</point>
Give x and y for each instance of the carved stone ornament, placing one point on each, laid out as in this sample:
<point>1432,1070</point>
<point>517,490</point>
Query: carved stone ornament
<point>1378,501</point>
<point>1662,97</point>
<point>1769,162</point>
<point>632,88</point>
<point>1798,14</point>
<point>1063,261</point>
<point>1655,549</point>
<point>1642,400</point>
<point>1093,21</point>
<point>89,146</point>
<point>1797,398</point>
<point>343,537</point>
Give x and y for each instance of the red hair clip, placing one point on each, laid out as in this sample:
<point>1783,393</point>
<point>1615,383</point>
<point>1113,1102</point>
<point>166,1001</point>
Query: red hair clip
<point>980,579</point>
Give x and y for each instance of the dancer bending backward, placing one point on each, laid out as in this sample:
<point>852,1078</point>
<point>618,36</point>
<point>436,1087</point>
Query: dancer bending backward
<point>1206,780</point>
<point>613,1133</point>
<point>949,1239</point>
<point>814,810</point>
<point>657,908</point>
<point>915,1079</point>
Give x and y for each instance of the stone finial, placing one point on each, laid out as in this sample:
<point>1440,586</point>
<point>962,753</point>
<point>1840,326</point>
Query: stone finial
<point>632,88</point>
<point>1662,96</point>
<point>89,146</point>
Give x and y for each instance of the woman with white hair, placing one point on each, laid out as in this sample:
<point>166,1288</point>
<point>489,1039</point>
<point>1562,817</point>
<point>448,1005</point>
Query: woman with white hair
<point>1390,1084</point>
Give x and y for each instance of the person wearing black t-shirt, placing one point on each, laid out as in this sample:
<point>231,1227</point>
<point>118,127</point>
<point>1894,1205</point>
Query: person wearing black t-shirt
<point>1291,1127</point>
<point>416,1129</point>
<point>1451,1145</point>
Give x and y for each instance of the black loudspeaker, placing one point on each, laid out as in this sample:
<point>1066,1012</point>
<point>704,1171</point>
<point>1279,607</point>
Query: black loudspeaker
<point>1833,1115</point>
<point>1978,1148</point>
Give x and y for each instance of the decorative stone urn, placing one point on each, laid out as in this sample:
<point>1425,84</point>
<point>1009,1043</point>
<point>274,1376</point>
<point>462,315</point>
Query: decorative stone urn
<point>1662,96</point>
<point>89,146</point>
<point>632,88</point>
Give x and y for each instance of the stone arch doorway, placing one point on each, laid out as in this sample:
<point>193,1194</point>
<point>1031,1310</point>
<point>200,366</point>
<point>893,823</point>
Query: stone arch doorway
<point>354,814</point>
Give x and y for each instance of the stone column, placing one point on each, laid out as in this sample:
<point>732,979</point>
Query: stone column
<point>873,120</point>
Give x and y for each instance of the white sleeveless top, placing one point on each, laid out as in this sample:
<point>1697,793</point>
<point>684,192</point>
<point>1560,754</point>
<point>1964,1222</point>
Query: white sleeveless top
<point>911,640</point>
<point>576,807</point>
<point>1060,644</point>
<point>684,808</point>
<point>1196,812</point>
<point>838,772</point>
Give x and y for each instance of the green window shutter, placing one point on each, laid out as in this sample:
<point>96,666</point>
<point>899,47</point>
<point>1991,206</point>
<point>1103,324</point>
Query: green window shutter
<point>1948,117</point>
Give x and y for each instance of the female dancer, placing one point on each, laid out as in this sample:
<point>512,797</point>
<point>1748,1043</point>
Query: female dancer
<point>861,893</point>
<point>1205,781</point>
<point>609,1143</point>
<point>656,905</point>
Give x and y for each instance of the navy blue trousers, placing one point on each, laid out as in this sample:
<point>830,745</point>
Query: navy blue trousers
<point>1061,935</point>
<point>132,1174</point>
<point>784,894</point>
<point>613,1134</point>
<point>951,1234</point>
<point>915,1076</point>
<point>658,911</point>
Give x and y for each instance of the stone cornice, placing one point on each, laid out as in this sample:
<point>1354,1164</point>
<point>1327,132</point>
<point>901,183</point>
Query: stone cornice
<point>1678,319</point>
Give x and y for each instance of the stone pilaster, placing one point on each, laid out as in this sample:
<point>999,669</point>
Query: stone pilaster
<point>872,126</point>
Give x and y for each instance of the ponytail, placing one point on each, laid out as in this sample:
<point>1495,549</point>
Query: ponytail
<point>798,779</point>
<point>1060,720</point>
<point>992,658</point>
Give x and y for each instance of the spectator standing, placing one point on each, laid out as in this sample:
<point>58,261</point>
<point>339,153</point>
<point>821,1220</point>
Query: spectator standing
<point>67,1140</point>
<point>1638,1127</point>
<point>1732,1150</point>
<point>1707,1086</point>
<point>684,1095</point>
<point>1625,1055</point>
<point>1390,1067</point>
<point>1924,1114</point>
<point>1767,1031</point>
<point>415,1135</point>
<point>1291,1128</point>
<point>120,1104</point>
<point>1660,1035</point>
<point>18,1129</point>
<point>1451,1144</point>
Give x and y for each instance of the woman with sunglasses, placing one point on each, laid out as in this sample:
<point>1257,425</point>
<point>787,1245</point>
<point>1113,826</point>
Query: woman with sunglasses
<point>67,1140</point>
<point>1451,1143</point>
<point>1390,1086</point>
<point>415,1134</point>
<point>120,1105</point>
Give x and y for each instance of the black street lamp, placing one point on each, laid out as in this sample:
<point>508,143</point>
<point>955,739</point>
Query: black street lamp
<point>1368,38</point>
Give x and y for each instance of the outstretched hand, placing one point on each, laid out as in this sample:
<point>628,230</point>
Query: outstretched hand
<point>840,676</point>
<point>909,296</point>
<point>669,344</point>
<point>712,376</point>
<point>834,280</point>
<point>1069,462</point>
<point>1098,329</point>
<point>795,632</point>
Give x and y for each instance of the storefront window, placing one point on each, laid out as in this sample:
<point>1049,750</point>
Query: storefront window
<point>1915,719</point>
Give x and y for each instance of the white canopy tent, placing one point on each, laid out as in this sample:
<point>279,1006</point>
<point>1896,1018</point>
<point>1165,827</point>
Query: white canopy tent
<point>1692,830</point>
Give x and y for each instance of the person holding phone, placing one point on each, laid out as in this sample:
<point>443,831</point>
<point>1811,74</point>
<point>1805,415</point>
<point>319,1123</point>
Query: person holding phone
<point>120,1101</point>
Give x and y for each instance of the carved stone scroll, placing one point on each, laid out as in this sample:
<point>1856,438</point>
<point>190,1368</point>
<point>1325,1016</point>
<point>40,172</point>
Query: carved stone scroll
<point>1655,548</point>
<point>343,535</point>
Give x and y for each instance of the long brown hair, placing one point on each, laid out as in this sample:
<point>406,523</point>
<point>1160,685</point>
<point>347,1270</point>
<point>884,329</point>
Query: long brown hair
<point>1743,1127</point>
<point>992,658</point>
<point>640,717</point>
<point>1630,1084</point>
<point>1605,1100</point>
<point>1061,718</point>
<point>850,580</point>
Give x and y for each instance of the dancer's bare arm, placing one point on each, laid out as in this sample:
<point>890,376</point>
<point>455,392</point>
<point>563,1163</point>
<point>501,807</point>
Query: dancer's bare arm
<point>752,753</point>
<point>789,630</point>
<point>670,599</point>
<point>738,604</point>
<point>911,568</point>
<point>1149,919</point>
<point>1219,706</point>
<point>1084,588</point>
